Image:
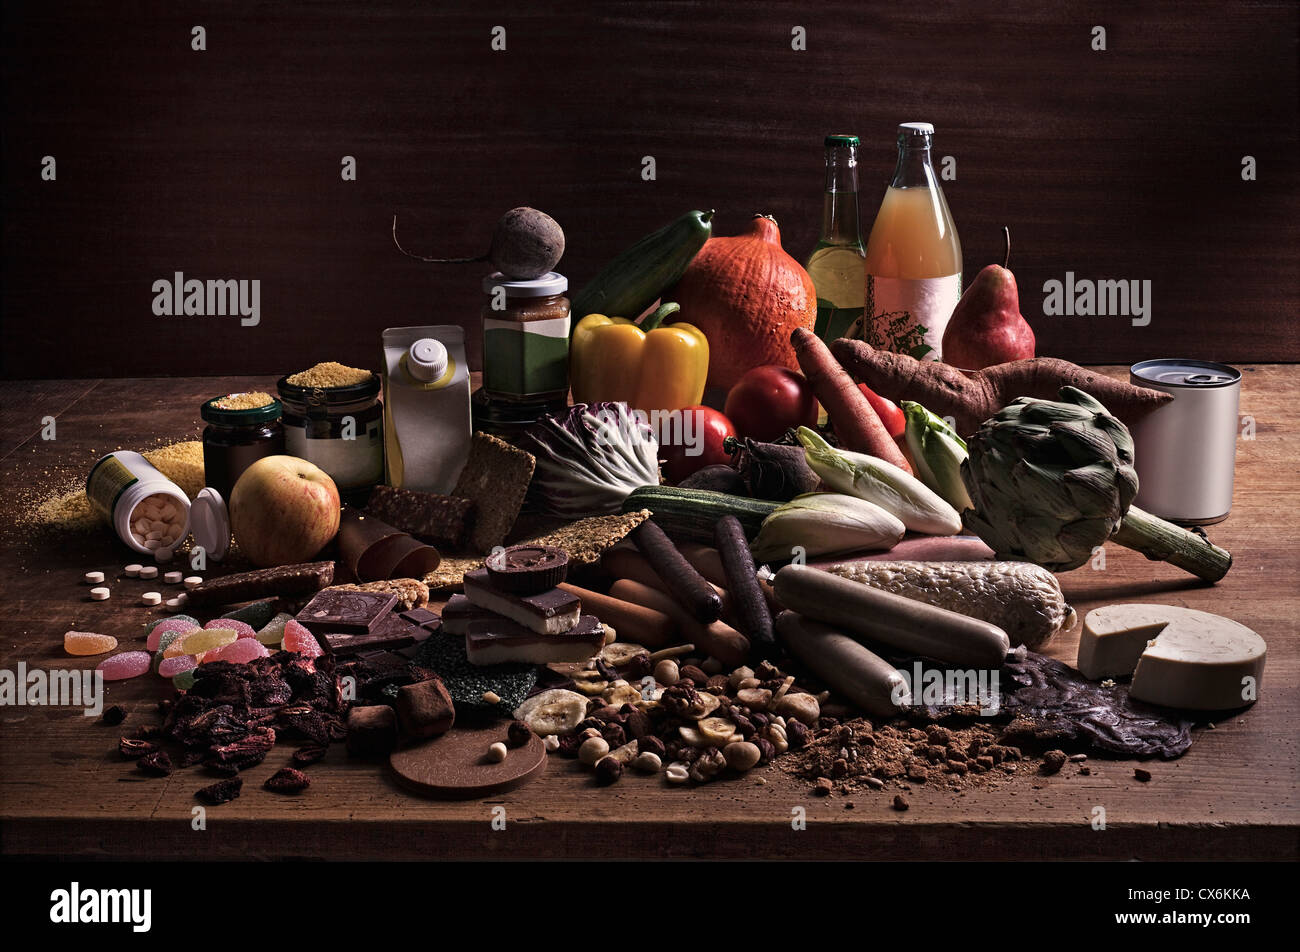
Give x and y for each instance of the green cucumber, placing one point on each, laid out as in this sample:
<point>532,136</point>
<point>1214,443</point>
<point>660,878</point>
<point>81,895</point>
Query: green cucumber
<point>636,278</point>
<point>689,515</point>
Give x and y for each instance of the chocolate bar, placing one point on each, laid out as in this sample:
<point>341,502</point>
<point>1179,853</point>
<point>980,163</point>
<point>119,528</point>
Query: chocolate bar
<point>390,633</point>
<point>422,617</point>
<point>287,580</point>
<point>501,641</point>
<point>440,520</point>
<point>548,612</point>
<point>459,612</point>
<point>336,610</point>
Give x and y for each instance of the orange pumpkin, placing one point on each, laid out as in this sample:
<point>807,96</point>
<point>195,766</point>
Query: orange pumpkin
<point>747,296</point>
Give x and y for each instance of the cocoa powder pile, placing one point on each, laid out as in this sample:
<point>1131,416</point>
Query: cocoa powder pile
<point>956,756</point>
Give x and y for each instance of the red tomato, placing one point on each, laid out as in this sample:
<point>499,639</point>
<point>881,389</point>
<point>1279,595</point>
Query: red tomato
<point>769,400</point>
<point>692,439</point>
<point>887,410</point>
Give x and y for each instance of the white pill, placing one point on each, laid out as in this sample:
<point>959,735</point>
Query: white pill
<point>163,553</point>
<point>149,571</point>
<point>99,594</point>
<point>151,544</point>
<point>169,512</point>
<point>94,578</point>
<point>158,526</point>
<point>132,570</point>
<point>174,604</point>
<point>151,598</point>
<point>173,578</point>
<point>139,539</point>
<point>153,535</point>
<point>141,526</point>
<point>194,581</point>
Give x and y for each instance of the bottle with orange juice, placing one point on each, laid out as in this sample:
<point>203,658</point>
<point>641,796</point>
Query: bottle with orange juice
<point>913,264</point>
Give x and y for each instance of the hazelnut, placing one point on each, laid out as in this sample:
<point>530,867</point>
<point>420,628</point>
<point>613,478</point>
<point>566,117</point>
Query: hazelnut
<point>497,753</point>
<point>666,672</point>
<point>741,756</point>
<point>608,770</point>
<point>518,734</point>
<point>802,707</point>
<point>592,750</point>
<point>649,744</point>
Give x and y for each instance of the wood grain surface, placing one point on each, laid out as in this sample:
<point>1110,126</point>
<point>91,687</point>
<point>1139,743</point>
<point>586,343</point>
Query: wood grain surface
<point>1116,164</point>
<point>64,790</point>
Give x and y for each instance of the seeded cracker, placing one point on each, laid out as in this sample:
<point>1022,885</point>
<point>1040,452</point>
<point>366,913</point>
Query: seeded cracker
<point>469,683</point>
<point>410,592</point>
<point>584,541</point>
<point>496,478</point>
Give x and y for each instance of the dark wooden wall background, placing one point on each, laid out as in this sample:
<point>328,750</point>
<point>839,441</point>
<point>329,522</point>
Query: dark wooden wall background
<point>225,163</point>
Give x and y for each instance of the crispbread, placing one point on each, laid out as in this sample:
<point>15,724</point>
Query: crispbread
<point>495,478</point>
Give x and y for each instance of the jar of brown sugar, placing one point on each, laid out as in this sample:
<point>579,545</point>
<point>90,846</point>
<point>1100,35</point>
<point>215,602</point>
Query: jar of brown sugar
<point>526,339</point>
<point>333,418</point>
<point>242,428</point>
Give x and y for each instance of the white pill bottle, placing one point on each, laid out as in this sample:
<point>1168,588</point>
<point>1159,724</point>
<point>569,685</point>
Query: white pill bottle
<point>148,511</point>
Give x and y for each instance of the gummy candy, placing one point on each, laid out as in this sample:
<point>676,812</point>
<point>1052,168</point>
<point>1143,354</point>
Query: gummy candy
<point>239,652</point>
<point>128,664</point>
<point>241,628</point>
<point>299,639</point>
<point>256,614</point>
<point>162,621</point>
<point>205,640</point>
<point>174,666</point>
<point>87,643</point>
<point>273,632</point>
<point>180,624</point>
<point>184,681</point>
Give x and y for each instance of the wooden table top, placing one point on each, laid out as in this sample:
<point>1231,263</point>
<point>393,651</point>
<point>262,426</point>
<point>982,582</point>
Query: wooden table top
<point>65,791</point>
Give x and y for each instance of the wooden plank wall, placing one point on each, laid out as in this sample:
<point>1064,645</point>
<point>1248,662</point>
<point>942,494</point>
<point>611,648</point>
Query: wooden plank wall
<point>225,163</point>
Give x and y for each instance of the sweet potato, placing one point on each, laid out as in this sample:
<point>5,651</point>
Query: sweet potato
<point>970,400</point>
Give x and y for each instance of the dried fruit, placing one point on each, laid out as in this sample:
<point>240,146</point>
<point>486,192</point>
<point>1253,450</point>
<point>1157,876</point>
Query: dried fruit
<point>287,780</point>
<point>223,791</point>
<point>553,712</point>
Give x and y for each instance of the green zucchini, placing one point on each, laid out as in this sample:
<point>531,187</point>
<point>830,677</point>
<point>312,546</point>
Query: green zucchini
<point>636,278</point>
<point>689,515</point>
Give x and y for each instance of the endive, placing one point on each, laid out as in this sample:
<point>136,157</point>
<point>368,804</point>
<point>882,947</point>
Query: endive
<point>937,453</point>
<point>872,479</point>
<point>823,524</point>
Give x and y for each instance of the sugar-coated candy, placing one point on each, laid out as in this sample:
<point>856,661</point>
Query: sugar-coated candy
<point>273,632</point>
<point>206,640</point>
<point>87,643</point>
<point>180,624</point>
<point>255,614</point>
<point>240,651</point>
<point>242,629</point>
<point>163,621</point>
<point>299,639</point>
<point>174,666</point>
<point>184,681</point>
<point>128,664</point>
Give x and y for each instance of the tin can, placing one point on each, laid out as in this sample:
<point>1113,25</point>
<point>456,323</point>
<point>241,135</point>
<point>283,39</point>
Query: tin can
<point>1186,450</point>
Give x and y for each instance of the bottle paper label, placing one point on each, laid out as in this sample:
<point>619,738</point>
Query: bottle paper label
<point>909,316</point>
<point>106,483</point>
<point>350,463</point>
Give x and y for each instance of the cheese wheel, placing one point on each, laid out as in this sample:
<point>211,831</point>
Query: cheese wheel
<point>1179,657</point>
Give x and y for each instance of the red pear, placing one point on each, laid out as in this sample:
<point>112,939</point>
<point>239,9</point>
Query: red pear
<point>987,327</point>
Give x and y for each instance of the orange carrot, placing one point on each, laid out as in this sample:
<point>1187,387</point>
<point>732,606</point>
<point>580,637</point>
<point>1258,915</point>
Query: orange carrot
<point>857,425</point>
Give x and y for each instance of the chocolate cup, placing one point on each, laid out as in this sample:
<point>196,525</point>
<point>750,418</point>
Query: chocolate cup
<point>374,551</point>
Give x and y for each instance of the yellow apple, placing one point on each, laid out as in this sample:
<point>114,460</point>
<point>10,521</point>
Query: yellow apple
<point>283,510</point>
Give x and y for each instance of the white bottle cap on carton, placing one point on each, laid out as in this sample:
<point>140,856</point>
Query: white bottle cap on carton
<point>427,359</point>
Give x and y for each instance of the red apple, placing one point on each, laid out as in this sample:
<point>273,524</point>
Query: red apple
<point>692,439</point>
<point>283,510</point>
<point>769,400</point>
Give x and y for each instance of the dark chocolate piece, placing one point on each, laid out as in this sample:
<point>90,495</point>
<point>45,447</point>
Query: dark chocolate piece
<point>455,766</point>
<point>375,551</point>
<point>422,617</point>
<point>391,632</point>
<point>440,520</point>
<point>339,611</point>
<point>527,569</point>
<point>459,612</point>
<point>537,609</point>
<point>304,578</point>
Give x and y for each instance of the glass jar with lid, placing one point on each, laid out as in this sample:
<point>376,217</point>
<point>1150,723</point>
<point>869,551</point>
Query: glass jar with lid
<point>340,429</point>
<point>526,339</point>
<point>242,428</point>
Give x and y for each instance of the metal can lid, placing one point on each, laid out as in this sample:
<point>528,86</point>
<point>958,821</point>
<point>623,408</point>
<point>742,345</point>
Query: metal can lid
<point>1173,372</point>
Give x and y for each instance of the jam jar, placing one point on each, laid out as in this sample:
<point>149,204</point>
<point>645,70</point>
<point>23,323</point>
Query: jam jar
<point>242,428</point>
<point>340,429</point>
<point>526,340</point>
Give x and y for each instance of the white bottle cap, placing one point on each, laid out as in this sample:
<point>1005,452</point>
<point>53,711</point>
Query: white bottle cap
<point>915,129</point>
<point>210,522</point>
<point>427,359</point>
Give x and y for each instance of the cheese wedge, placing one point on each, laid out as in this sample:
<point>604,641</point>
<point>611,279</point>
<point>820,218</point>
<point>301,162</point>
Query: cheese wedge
<point>1179,657</point>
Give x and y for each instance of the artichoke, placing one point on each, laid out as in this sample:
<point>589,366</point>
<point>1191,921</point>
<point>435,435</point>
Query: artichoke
<point>1052,480</point>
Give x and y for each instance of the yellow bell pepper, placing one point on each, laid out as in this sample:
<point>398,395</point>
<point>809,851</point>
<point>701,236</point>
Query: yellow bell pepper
<point>644,365</point>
